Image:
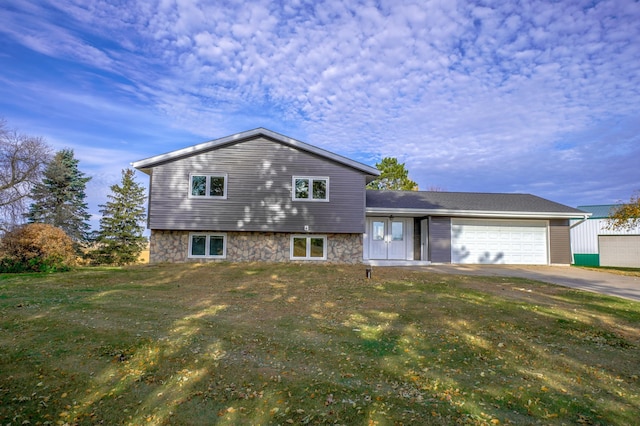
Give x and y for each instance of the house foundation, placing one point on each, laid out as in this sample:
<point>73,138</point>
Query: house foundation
<point>173,246</point>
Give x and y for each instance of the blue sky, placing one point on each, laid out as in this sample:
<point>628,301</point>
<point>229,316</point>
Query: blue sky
<point>540,97</point>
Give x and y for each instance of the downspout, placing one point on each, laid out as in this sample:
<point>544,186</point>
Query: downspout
<point>584,219</point>
<point>586,216</point>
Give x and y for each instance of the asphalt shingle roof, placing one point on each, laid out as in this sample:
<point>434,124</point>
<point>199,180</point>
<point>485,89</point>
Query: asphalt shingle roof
<point>465,201</point>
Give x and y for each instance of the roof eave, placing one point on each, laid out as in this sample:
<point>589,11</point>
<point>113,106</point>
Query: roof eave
<point>474,213</point>
<point>150,162</point>
<point>145,170</point>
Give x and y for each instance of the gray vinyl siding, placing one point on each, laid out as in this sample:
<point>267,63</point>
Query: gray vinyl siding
<point>559,242</point>
<point>440,239</point>
<point>259,173</point>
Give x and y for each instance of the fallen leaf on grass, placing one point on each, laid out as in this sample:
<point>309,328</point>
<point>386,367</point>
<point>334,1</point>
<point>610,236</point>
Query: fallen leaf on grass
<point>329,400</point>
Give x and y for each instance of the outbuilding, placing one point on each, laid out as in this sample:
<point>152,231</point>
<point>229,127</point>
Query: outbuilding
<point>594,244</point>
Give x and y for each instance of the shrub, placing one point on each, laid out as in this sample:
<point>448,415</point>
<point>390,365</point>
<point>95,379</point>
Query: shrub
<point>36,247</point>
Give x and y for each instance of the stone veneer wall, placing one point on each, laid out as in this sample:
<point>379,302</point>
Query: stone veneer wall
<point>172,246</point>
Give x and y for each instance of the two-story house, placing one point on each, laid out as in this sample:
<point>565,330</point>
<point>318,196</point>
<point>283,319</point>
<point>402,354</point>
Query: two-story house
<point>262,196</point>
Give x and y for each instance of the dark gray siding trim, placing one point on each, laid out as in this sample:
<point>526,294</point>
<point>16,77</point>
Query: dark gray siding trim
<point>440,239</point>
<point>149,202</point>
<point>559,242</point>
<point>417,234</point>
<point>258,192</point>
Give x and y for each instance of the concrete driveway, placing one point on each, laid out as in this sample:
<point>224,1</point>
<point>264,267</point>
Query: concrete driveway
<point>595,281</point>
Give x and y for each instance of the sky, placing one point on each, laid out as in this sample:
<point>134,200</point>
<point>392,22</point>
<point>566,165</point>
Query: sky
<point>538,97</point>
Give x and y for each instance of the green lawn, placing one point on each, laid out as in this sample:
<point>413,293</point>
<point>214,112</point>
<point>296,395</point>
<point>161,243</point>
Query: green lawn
<point>634,272</point>
<point>300,344</point>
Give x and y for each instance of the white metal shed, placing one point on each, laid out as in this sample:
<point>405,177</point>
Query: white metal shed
<point>593,244</point>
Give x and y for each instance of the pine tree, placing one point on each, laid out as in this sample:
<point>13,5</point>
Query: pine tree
<point>120,240</point>
<point>393,176</point>
<point>59,200</point>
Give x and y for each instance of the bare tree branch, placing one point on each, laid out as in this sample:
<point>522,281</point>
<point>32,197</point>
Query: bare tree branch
<point>22,161</point>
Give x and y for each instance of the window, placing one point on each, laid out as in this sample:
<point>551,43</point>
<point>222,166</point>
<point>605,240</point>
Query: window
<point>308,247</point>
<point>203,245</point>
<point>397,232</point>
<point>209,186</point>
<point>378,231</point>
<point>311,188</point>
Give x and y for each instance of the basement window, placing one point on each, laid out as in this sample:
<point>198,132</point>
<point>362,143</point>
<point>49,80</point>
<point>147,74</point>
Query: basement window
<point>207,246</point>
<point>308,247</point>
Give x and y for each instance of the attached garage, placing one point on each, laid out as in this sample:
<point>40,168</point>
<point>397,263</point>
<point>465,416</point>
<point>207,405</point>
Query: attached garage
<point>619,250</point>
<point>476,228</point>
<point>513,242</point>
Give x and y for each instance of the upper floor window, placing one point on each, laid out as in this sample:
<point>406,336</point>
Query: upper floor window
<point>311,188</point>
<point>210,186</point>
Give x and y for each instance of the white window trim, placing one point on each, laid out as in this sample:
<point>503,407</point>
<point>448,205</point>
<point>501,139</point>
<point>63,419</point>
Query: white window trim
<point>208,176</point>
<point>208,235</point>
<point>308,254</point>
<point>310,179</point>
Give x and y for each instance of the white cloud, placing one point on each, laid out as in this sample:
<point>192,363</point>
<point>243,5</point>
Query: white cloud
<point>455,87</point>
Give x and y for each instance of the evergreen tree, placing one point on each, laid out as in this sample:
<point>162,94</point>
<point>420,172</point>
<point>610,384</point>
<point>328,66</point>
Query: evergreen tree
<point>59,200</point>
<point>393,176</point>
<point>120,238</point>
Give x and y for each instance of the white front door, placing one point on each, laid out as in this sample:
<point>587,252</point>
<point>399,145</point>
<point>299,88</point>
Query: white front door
<point>387,238</point>
<point>397,246</point>
<point>378,239</point>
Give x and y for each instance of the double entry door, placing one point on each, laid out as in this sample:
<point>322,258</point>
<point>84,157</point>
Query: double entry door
<point>387,238</point>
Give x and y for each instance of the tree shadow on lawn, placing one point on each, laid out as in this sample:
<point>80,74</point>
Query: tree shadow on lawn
<point>289,344</point>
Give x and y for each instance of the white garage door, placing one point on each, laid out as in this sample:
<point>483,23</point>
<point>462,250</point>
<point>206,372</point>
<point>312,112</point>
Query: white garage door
<point>511,242</point>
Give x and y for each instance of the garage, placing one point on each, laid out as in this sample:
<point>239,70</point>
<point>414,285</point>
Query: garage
<point>514,242</point>
<point>619,250</point>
